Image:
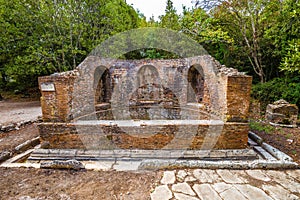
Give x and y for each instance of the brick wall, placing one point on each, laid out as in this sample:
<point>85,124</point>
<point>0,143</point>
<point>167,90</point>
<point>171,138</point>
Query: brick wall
<point>56,105</point>
<point>71,136</point>
<point>226,97</point>
<point>238,98</point>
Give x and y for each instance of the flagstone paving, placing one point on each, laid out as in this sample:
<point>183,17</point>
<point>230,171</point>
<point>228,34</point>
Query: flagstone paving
<point>204,184</point>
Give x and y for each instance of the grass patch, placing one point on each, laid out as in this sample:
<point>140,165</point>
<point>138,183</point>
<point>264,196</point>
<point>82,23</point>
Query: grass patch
<point>288,136</point>
<point>257,126</point>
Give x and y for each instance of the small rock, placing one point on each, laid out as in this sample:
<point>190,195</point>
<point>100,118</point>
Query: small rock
<point>26,198</point>
<point>190,179</point>
<point>45,145</point>
<point>290,141</point>
<point>57,164</point>
<point>5,155</point>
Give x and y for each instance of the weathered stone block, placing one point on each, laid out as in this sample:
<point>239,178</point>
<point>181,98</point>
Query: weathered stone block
<point>281,112</point>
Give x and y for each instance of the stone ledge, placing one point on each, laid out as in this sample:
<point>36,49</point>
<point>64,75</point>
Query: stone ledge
<point>135,154</point>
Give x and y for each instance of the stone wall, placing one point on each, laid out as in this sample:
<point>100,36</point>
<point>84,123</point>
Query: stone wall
<point>220,93</point>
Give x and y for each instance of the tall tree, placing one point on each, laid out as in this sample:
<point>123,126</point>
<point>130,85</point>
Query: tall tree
<point>246,22</point>
<point>170,19</point>
<point>244,17</point>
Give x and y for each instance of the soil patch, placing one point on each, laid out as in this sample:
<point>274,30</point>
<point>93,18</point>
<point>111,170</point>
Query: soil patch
<point>18,112</point>
<point>286,140</point>
<point>21,183</point>
<point>9,140</point>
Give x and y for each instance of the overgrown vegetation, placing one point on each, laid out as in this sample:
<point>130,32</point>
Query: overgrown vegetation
<point>287,88</point>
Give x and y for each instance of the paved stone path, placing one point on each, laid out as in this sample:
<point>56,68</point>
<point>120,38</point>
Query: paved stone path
<point>204,184</point>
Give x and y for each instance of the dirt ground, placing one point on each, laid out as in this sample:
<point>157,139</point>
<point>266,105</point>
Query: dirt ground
<point>40,184</point>
<point>8,141</point>
<point>13,112</point>
<point>285,139</point>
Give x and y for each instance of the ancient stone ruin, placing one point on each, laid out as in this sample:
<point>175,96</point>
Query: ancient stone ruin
<point>193,103</point>
<point>282,113</point>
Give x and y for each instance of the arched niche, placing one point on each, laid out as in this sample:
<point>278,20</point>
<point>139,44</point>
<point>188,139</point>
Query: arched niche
<point>196,80</point>
<point>151,99</point>
<point>102,86</point>
<point>148,84</point>
<point>146,75</point>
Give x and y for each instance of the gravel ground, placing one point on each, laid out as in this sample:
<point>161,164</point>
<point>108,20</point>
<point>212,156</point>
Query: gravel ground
<point>15,112</point>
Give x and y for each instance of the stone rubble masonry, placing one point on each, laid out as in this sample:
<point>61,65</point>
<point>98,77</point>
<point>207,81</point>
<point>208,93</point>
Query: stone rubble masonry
<point>226,97</point>
<point>282,112</point>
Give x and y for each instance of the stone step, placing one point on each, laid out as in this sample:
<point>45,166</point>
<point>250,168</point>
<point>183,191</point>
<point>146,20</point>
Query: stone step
<point>136,154</point>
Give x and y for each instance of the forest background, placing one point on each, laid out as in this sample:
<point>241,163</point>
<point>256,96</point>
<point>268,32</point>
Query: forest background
<point>259,37</point>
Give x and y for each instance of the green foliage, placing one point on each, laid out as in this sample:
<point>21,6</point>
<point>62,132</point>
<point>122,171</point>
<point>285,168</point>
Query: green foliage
<point>276,89</point>
<point>246,22</point>
<point>283,34</point>
<point>291,60</point>
<point>201,27</point>
<point>43,37</point>
<point>257,126</point>
<point>260,37</point>
<point>150,54</point>
<point>170,20</point>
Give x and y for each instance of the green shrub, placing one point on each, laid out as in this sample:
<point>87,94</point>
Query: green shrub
<point>278,88</point>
